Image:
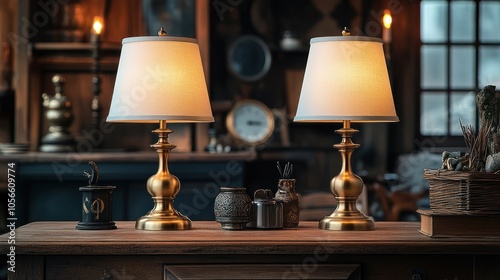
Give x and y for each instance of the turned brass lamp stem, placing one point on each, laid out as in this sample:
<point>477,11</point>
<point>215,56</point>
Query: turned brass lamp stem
<point>346,187</point>
<point>163,187</point>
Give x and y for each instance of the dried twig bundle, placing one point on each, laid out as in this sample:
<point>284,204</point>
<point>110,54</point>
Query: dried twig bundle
<point>477,145</point>
<point>286,173</point>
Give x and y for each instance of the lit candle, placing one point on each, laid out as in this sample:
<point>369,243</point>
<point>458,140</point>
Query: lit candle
<point>387,21</point>
<point>97,27</point>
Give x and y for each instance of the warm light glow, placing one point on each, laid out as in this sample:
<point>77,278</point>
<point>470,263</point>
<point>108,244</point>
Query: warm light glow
<point>387,19</point>
<point>160,78</point>
<point>346,78</point>
<point>97,25</point>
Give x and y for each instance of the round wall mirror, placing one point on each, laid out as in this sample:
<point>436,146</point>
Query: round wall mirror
<point>249,58</point>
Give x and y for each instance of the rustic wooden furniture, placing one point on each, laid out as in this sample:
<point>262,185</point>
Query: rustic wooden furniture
<point>394,250</point>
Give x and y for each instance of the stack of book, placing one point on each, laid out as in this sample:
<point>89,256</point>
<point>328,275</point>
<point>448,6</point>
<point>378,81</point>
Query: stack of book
<point>453,225</point>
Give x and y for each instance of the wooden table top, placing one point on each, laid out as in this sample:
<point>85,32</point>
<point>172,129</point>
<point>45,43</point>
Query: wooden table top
<point>46,238</point>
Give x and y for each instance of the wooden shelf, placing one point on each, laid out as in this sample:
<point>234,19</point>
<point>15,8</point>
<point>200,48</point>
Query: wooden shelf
<point>148,156</point>
<point>75,56</point>
<point>74,46</point>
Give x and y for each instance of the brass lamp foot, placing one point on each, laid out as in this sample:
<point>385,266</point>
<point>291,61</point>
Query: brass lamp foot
<point>347,216</point>
<point>360,222</point>
<point>163,222</point>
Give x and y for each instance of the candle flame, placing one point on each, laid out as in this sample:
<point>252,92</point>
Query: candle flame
<point>97,25</point>
<point>387,19</point>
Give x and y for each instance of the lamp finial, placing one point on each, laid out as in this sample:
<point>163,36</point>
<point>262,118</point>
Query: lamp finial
<point>346,32</point>
<point>162,32</point>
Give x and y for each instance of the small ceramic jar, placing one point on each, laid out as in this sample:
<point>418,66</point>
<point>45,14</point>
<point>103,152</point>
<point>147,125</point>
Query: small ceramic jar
<point>290,199</point>
<point>232,208</point>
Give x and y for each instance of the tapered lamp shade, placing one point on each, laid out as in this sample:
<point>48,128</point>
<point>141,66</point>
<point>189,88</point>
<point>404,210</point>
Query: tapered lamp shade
<point>346,79</point>
<point>160,78</point>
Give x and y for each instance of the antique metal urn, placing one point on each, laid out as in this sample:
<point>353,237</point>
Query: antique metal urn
<point>58,113</point>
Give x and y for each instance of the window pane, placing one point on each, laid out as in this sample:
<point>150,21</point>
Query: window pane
<point>463,21</point>
<point>433,21</point>
<point>433,68</point>
<point>463,67</point>
<point>433,114</point>
<point>462,107</point>
<point>489,21</point>
<point>489,66</point>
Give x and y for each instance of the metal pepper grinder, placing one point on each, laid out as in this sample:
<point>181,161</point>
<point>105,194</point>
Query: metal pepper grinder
<point>96,203</point>
<point>58,113</point>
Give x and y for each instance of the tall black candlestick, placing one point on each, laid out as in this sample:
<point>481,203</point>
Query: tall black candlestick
<point>96,79</point>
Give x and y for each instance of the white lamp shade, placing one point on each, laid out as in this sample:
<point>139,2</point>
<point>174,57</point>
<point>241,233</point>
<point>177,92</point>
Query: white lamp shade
<point>346,79</point>
<point>160,78</point>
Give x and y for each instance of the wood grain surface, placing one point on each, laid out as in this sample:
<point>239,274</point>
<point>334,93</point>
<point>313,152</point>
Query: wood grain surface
<point>61,238</point>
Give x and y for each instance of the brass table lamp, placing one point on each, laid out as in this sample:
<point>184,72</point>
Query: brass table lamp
<point>346,81</point>
<point>160,79</point>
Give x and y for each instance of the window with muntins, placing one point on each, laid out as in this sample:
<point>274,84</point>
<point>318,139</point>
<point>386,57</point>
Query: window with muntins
<point>459,55</point>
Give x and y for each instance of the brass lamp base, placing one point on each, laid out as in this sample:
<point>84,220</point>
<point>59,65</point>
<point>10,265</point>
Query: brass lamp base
<point>163,187</point>
<point>346,187</point>
<point>357,222</point>
<point>175,221</point>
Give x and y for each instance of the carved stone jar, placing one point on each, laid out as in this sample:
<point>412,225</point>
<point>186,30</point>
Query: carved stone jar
<point>232,208</point>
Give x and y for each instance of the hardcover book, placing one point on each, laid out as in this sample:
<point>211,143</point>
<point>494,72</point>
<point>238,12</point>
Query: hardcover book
<point>442,225</point>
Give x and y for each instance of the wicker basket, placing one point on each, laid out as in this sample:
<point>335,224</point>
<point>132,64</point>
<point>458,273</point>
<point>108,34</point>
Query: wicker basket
<point>469,193</point>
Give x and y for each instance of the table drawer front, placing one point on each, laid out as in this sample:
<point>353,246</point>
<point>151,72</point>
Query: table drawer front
<point>262,271</point>
<point>376,267</point>
<point>101,267</point>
